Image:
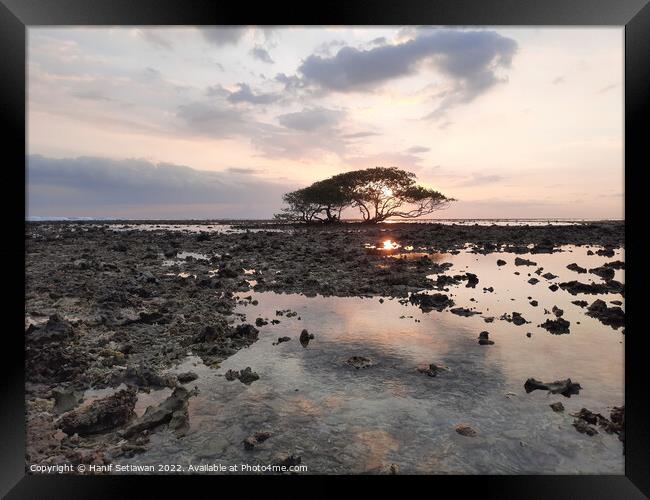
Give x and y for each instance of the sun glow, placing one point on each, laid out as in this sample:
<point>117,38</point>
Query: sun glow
<point>389,245</point>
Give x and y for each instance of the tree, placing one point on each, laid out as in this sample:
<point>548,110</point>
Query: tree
<point>379,193</point>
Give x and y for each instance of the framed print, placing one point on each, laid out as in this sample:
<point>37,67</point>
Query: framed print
<point>394,240</point>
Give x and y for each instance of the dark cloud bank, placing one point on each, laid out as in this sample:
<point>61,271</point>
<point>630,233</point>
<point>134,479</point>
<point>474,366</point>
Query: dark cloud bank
<point>88,186</point>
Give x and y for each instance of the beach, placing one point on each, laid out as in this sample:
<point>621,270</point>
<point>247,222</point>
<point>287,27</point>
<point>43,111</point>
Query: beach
<point>348,348</point>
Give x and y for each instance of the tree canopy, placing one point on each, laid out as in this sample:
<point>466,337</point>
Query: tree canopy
<point>379,193</point>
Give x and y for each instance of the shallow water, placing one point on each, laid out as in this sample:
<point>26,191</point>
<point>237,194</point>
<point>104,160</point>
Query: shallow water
<point>343,420</point>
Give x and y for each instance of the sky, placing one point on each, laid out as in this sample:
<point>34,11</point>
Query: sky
<point>219,122</point>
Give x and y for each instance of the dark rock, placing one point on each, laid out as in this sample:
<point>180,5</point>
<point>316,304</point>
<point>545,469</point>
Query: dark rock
<point>575,267</point>
<point>432,370</point>
<point>144,376</point>
<point>287,460</point>
<point>102,415</point>
<point>259,437</point>
<point>612,316</point>
<point>533,281</point>
<point>246,376</point>
<point>465,430</point>
<point>516,318</point>
<point>606,252</point>
<point>557,311</point>
<point>360,362</point>
<point>282,339</point>
<point>429,302</point>
<point>584,428</point>
<point>557,326</point>
<point>483,339</point>
<point>580,303</point>
<point>564,387</point>
<point>549,276</point>
<point>534,303</point>
<point>607,273</point>
<point>501,262</point>
<point>524,262</point>
<point>305,337</point>
<point>472,280</point>
<point>56,329</point>
<point>186,377</point>
<point>462,311</point>
<point>172,411</point>
<point>557,407</point>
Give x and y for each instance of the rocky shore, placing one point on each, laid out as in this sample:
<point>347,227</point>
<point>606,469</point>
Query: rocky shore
<point>113,309</point>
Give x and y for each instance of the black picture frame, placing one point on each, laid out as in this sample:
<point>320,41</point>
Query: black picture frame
<point>17,15</point>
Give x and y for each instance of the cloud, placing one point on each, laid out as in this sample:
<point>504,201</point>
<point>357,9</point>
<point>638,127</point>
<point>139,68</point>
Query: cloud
<point>359,135</point>
<point>386,159</point>
<point>90,186</point>
<point>244,171</point>
<point>213,119</point>
<point>245,94</point>
<point>418,149</point>
<point>311,119</point>
<point>223,35</point>
<point>261,54</point>
<point>479,180</point>
<point>558,80</point>
<point>91,95</point>
<point>153,36</point>
<point>469,59</point>
<point>608,88</point>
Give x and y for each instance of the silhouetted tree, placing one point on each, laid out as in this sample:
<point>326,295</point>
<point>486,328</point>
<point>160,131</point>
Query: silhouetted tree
<point>379,193</point>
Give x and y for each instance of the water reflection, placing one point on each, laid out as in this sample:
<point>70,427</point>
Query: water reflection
<point>341,420</point>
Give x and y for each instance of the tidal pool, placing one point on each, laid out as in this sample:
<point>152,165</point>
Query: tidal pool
<point>340,420</point>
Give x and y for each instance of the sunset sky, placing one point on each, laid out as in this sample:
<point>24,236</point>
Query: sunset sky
<point>187,122</point>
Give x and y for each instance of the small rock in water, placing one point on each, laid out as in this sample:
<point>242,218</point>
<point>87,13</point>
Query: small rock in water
<point>259,437</point>
<point>557,407</point>
<point>584,428</point>
<point>282,339</point>
<point>501,262</point>
<point>305,337</point>
<point>557,326</point>
<point>359,362</point>
<point>534,303</point>
<point>186,377</point>
<point>564,387</point>
<point>465,430</point>
<point>524,262</point>
<point>612,316</point>
<point>287,460</point>
<point>462,311</point>
<point>483,339</point>
<point>575,267</point>
<point>393,469</point>
<point>246,376</point>
<point>432,370</point>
